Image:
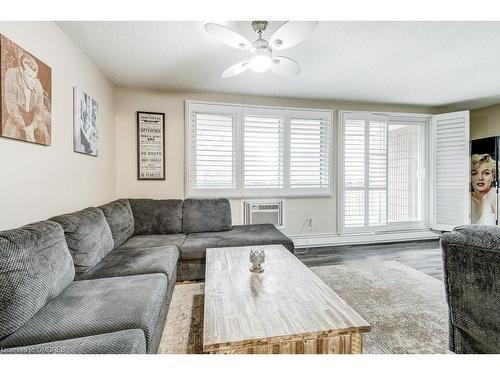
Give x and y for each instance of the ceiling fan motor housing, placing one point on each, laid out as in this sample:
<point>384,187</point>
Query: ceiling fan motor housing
<point>259,26</point>
<point>260,48</point>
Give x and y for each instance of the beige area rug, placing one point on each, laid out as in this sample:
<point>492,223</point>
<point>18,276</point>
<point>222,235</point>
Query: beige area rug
<point>183,332</point>
<point>405,308</point>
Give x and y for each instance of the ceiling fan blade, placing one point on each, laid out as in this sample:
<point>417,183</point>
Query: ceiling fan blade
<point>236,69</point>
<point>284,66</point>
<point>227,36</point>
<point>291,33</point>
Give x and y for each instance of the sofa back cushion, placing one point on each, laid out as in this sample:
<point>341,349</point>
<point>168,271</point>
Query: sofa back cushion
<point>120,220</point>
<point>88,236</point>
<point>206,215</point>
<point>35,266</point>
<point>157,216</point>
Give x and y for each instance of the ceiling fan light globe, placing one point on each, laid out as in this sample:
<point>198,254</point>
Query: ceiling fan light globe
<point>260,63</point>
<point>261,56</point>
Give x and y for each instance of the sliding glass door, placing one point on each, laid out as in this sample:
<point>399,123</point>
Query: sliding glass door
<point>382,172</point>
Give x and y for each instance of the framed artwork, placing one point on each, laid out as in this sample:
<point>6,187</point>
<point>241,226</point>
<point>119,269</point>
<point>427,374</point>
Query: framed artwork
<point>26,94</point>
<point>150,146</point>
<point>484,181</point>
<point>85,131</point>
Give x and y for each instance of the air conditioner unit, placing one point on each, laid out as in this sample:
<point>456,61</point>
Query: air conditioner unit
<point>264,212</point>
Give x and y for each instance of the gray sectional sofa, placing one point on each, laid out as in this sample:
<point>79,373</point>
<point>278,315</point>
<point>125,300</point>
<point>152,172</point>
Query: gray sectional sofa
<point>100,280</point>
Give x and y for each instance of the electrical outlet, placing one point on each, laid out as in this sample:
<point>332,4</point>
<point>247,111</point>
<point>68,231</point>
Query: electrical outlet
<point>310,223</point>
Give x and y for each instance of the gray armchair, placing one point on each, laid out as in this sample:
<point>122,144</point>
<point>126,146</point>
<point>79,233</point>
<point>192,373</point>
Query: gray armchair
<point>471,259</point>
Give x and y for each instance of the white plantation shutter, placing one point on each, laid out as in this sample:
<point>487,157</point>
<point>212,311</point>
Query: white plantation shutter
<point>450,170</point>
<point>263,152</point>
<point>310,153</point>
<point>377,172</point>
<point>247,151</point>
<point>212,150</point>
<point>365,170</point>
<point>354,172</point>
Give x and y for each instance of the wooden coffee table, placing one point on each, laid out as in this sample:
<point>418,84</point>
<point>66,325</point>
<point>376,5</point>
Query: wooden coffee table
<point>285,309</point>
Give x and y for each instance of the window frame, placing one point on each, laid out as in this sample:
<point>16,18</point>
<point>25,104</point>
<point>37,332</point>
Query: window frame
<point>227,110</point>
<point>423,171</point>
<point>239,111</point>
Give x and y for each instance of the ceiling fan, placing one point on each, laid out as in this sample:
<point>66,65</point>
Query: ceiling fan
<point>261,51</point>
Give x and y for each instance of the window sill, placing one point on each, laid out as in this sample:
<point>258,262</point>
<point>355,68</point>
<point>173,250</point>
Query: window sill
<point>256,195</point>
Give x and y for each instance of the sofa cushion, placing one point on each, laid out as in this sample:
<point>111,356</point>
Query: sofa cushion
<point>206,215</point>
<point>153,240</point>
<point>130,341</point>
<point>120,220</point>
<point>119,262</point>
<point>93,307</point>
<point>35,266</point>
<point>195,244</point>
<point>157,216</point>
<point>88,236</point>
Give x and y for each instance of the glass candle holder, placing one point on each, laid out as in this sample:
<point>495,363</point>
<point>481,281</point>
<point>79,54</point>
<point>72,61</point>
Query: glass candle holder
<point>257,259</point>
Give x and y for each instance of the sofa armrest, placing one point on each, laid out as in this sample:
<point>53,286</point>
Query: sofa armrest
<point>484,237</point>
<point>471,264</point>
<point>131,341</point>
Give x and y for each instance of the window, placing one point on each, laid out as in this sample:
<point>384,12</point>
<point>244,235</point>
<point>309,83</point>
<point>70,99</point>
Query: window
<point>212,155</point>
<point>382,167</point>
<point>213,152</point>
<point>263,154</point>
<point>404,166</point>
<point>309,154</point>
<point>247,151</point>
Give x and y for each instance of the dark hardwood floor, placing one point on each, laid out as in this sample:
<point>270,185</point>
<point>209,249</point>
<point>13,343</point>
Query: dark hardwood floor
<point>424,256</point>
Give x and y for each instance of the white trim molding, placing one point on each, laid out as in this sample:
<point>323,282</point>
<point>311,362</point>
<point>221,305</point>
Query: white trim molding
<point>330,239</point>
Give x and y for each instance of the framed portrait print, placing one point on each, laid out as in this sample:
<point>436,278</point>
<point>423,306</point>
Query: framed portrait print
<point>150,146</point>
<point>484,181</point>
<point>85,132</point>
<point>26,95</point>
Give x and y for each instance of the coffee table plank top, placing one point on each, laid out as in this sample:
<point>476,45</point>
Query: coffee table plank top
<point>286,301</point>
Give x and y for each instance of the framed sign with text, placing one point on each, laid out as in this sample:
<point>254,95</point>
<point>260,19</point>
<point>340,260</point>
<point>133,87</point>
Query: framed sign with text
<point>150,146</point>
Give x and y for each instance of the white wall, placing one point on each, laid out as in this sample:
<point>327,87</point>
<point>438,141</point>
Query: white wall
<point>38,181</point>
<point>128,100</point>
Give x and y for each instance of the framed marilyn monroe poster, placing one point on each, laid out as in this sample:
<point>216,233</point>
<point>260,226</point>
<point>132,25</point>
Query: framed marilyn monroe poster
<point>484,181</point>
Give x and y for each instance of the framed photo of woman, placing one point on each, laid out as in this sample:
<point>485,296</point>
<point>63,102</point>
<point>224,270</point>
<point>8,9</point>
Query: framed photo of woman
<point>25,95</point>
<point>484,181</point>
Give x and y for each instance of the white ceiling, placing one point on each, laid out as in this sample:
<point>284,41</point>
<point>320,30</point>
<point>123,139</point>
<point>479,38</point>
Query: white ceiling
<point>421,63</point>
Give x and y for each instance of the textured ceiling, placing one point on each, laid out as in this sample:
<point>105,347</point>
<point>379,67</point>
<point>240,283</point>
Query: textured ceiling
<point>420,63</point>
